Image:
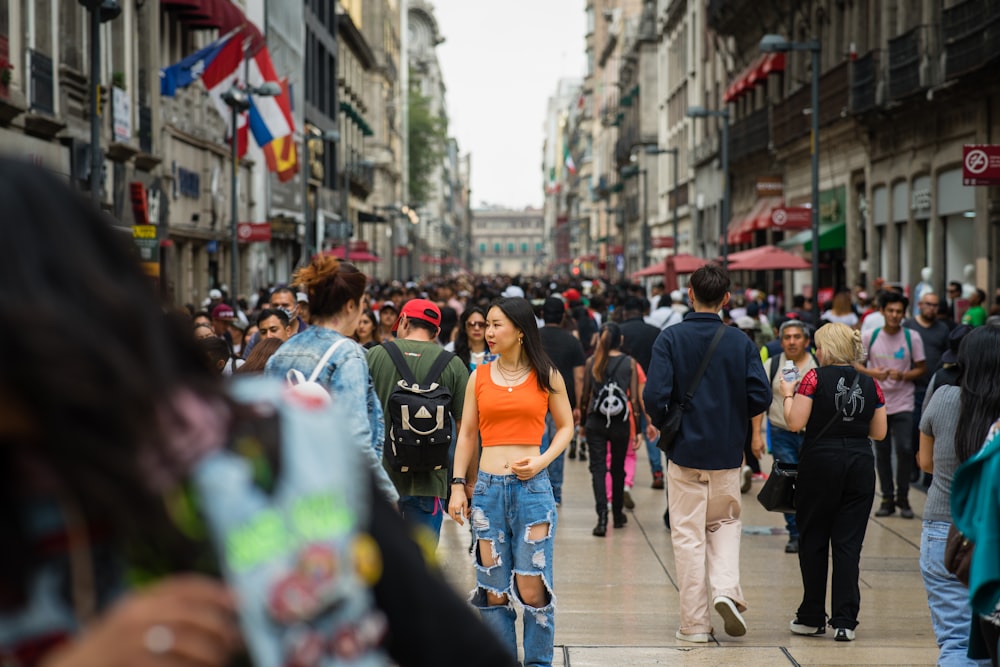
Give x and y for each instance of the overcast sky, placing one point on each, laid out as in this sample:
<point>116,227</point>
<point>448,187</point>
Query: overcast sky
<point>501,61</point>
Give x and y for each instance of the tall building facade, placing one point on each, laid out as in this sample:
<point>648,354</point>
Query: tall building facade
<point>509,242</point>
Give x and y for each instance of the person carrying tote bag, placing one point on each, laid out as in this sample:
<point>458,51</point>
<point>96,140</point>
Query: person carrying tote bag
<point>836,479</point>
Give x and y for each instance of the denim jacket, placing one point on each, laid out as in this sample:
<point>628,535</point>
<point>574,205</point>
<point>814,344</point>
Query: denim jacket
<point>348,380</point>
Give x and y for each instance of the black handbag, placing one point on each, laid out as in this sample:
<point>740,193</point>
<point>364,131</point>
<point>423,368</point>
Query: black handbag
<point>671,425</point>
<point>778,492</point>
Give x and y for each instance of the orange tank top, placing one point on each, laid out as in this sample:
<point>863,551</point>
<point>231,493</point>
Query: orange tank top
<point>510,417</point>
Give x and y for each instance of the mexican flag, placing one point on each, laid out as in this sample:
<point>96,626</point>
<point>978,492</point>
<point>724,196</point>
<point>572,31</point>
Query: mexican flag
<point>568,161</point>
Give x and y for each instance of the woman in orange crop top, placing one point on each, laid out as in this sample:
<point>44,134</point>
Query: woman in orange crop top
<point>513,512</point>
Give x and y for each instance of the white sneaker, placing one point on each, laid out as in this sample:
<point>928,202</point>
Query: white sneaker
<point>735,626</point>
<point>694,637</point>
<point>628,501</point>
<point>807,630</point>
<point>844,635</point>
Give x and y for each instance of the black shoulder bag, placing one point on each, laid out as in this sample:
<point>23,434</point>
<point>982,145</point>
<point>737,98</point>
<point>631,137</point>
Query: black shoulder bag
<point>671,426</point>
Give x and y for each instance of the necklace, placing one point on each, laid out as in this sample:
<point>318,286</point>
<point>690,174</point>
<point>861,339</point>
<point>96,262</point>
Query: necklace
<point>515,376</point>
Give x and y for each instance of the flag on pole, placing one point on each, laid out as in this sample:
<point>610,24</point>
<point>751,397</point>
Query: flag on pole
<point>568,161</point>
<point>182,74</point>
<point>280,153</point>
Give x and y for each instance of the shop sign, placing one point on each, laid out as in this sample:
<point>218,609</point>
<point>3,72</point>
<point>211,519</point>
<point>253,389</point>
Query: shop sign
<point>832,205</point>
<point>144,237</point>
<point>920,200</point>
<point>770,186</point>
<point>121,111</point>
<point>662,241</point>
<point>796,217</point>
<point>980,164</point>
<point>253,232</point>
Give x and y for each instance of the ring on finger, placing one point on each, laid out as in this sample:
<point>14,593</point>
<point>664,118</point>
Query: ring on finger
<point>159,639</point>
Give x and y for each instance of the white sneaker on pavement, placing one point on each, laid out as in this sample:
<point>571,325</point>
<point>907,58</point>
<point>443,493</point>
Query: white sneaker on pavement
<point>694,637</point>
<point>735,626</point>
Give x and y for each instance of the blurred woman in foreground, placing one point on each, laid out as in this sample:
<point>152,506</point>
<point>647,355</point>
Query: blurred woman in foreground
<point>99,447</point>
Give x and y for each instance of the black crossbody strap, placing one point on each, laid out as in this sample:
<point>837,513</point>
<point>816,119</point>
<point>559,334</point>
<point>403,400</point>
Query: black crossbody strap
<point>442,361</point>
<point>842,411</point>
<point>704,364</point>
<point>399,362</point>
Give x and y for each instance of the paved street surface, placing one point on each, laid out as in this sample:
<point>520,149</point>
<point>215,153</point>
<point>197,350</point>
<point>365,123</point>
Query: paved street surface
<point>617,597</point>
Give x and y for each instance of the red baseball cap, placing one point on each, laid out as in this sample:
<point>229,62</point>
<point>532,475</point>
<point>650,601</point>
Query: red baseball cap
<point>420,309</point>
<point>223,312</point>
<point>572,295</point>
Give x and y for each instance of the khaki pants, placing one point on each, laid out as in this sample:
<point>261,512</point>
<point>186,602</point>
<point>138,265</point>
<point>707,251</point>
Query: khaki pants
<point>705,529</point>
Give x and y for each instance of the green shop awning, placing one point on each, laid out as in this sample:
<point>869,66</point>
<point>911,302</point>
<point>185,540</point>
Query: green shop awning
<point>832,236</point>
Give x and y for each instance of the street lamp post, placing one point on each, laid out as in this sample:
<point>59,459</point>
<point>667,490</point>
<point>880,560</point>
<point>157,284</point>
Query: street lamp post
<point>777,43</point>
<point>238,101</point>
<point>701,112</point>
<point>101,11</point>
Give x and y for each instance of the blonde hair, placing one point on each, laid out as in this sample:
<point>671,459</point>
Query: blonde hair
<point>840,343</point>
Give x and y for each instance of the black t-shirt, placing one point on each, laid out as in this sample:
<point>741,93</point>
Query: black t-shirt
<point>935,338</point>
<point>566,353</point>
<point>638,339</point>
<point>830,393</point>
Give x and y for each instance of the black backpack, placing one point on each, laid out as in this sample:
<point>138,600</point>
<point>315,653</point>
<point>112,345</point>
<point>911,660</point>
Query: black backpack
<point>418,417</point>
<point>611,399</point>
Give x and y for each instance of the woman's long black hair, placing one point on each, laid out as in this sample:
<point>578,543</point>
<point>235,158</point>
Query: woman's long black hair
<point>462,350</point>
<point>519,311</point>
<point>979,359</point>
<point>91,363</point>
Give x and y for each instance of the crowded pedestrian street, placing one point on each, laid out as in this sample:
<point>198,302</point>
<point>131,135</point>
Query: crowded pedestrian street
<point>618,600</point>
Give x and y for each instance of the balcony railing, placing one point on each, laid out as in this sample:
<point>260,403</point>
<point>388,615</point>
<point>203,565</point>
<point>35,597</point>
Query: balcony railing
<point>864,82</point>
<point>971,32</point>
<point>789,118</point>
<point>750,135</point>
<point>906,53</point>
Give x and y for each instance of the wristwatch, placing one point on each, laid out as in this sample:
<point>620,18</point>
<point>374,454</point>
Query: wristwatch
<point>458,480</point>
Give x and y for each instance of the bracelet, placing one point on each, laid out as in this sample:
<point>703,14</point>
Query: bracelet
<point>785,398</point>
<point>458,480</point>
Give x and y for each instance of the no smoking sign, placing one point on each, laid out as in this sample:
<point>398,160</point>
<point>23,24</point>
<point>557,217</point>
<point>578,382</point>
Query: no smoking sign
<point>981,164</point>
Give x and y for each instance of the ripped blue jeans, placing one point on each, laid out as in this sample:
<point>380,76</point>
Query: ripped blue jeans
<point>517,520</point>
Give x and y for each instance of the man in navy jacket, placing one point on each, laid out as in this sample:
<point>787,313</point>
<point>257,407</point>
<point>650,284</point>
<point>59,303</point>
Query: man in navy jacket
<point>703,472</point>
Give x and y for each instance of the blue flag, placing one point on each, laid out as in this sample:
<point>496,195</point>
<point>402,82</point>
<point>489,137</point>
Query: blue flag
<point>187,71</point>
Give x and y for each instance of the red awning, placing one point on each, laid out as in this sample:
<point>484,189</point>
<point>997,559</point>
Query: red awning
<point>682,264</point>
<point>180,5</point>
<point>768,212</point>
<point>766,258</point>
<point>756,73</point>
<point>357,257</point>
<point>740,229</point>
<point>221,15</point>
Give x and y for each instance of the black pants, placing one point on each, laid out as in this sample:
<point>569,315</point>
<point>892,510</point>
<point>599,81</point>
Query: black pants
<point>833,495</point>
<point>599,434</point>
<point>897,438</point>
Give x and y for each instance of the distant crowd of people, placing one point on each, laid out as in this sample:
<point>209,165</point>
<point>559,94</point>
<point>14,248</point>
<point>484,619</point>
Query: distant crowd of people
<point>156,514</point>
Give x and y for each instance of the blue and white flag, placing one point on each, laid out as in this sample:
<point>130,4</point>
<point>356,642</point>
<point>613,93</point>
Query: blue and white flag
<point>190,69</point>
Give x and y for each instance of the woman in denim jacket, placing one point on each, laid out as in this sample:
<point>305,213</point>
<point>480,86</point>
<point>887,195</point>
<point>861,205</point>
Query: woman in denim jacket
<point>336,292</point>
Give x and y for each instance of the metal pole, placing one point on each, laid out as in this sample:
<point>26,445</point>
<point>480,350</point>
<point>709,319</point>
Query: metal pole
<point>724,223</point>
<point>645,220</point>
<point>310,232</point>
<point>95,92</point>
<point>234,209</point>
<point>345,218</point>
<point>815,179</point>
<point>677,240</point>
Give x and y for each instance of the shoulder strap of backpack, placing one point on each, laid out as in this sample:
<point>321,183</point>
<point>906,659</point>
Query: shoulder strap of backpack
<point>399,362</point>
<point>772,369</point>
<point>442,361</point>
<point>909,343</point>
<point>871,341</point>
<point>325,358</point>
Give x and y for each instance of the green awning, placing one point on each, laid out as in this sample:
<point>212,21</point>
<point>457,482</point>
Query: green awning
<point>832,236</point>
